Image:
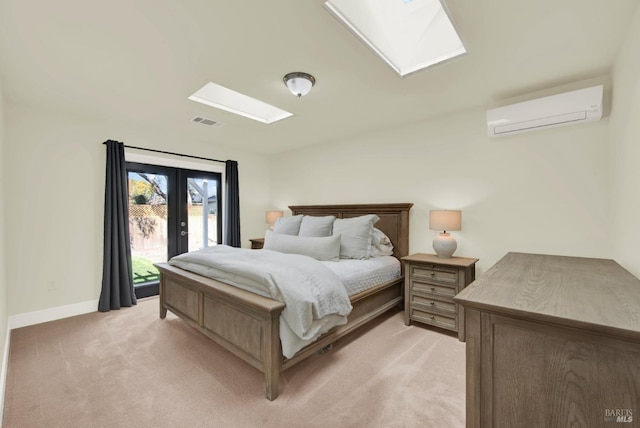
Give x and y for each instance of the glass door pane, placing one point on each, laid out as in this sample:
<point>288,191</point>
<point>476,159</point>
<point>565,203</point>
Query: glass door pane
<point>202,210</point>
<point>148,224</point>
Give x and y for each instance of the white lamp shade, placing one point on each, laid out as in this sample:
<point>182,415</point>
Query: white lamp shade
<point>445,220</point>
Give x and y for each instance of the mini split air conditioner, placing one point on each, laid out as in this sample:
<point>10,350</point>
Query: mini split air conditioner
<point>583,105</point>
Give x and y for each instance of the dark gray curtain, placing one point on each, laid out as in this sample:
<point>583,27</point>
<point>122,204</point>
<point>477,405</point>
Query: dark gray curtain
<point>117,278</point>
<point>232,216</point>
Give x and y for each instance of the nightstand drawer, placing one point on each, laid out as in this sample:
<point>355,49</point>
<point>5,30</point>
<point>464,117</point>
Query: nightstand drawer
<point>435,319</point>
<point>438,290</point>
<point>435,273</point>
<point>428,304</point>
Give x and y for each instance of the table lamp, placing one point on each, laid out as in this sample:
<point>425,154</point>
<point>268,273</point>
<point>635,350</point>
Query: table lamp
<point>443,220</point>
<point>272,217</point>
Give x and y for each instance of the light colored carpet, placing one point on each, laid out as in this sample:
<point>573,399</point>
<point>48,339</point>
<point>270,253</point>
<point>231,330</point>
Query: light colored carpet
<point>128,368</point>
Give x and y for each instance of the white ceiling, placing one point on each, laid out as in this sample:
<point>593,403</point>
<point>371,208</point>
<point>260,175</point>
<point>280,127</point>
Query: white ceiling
<point>136,62</point>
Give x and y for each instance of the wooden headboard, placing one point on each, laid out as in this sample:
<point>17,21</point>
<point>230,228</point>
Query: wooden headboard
<point>394,219</point>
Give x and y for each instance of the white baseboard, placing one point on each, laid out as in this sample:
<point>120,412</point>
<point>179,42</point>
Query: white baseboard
<point>52,314</point>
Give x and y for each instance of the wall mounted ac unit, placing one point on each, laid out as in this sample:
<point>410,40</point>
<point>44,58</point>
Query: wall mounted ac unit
<point>583,105</point>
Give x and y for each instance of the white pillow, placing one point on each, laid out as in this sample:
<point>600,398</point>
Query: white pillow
<point>355,235</point>
<point>288,225</point>
<point>380,244</point>
<point>316,226</point>
<point>326,248</point>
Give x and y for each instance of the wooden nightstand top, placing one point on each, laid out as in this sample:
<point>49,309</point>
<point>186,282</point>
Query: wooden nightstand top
<point>257,243</point>
<point>432,258</point>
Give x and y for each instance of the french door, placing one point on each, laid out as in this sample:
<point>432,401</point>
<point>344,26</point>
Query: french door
<point>171,211</point>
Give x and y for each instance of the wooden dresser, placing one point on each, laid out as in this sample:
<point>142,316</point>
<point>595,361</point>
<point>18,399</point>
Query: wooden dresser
<point>430,284</point>
<point>553,341</point>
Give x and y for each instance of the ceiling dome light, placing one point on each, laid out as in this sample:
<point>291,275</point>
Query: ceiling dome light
<point>299,83</point>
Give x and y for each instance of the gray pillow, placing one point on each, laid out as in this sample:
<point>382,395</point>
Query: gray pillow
<point>356,235</point>
<point>326,248</point>
<point>288,225</point>
<point>316,226</point>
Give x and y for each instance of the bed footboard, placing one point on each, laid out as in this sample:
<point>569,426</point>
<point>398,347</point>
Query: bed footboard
<point>248,325</point>
<point>242,322</point>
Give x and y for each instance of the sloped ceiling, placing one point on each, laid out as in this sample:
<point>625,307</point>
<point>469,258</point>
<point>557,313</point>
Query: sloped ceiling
<point>136,62</point>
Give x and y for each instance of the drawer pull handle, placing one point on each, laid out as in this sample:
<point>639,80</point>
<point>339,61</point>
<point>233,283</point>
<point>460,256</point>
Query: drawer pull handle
<point>433,274</point>
<point>433,303</point>
<point>433,288</point>
<point>432,317</point>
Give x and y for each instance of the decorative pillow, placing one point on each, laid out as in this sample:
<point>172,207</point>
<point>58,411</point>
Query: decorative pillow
<point>380,244</point>
<point>356,235</point>
<point>325,248</point>
<point>316,226</point>
<point>288,225</point>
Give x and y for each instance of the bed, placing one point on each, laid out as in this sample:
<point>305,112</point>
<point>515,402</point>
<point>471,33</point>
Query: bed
<point>247,324</point>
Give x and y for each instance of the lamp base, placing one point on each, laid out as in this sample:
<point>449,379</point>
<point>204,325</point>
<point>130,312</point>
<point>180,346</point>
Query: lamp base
<point>444,245</point>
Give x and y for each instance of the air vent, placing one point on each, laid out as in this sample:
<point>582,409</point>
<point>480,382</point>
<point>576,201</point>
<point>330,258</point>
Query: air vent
<point>206,121</point>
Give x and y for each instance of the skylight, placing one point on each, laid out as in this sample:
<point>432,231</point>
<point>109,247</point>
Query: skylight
<point>229,100</point>
<point>408,35</point>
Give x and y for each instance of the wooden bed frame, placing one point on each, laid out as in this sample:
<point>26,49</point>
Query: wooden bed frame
<point>247,324</point>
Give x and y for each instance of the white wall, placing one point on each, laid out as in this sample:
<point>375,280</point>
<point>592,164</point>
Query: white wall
<point>625,153</point>
<point>54,176</point>
<point>541,192</point>
<point>3,283</point>
<point>3,276</point>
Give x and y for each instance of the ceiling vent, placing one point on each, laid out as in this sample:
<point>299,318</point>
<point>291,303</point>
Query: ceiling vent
<point>206,121</point>
<point>583,105</point>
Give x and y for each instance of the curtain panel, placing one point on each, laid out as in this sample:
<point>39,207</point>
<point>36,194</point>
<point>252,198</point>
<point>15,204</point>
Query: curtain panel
<point>117,278</point>
<point>232,214</point>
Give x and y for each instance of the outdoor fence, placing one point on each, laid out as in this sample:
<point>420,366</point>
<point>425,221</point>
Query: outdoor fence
<point>148,230</point>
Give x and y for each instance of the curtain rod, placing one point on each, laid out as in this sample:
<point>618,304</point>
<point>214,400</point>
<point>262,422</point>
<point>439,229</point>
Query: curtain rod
<point>172,153</point>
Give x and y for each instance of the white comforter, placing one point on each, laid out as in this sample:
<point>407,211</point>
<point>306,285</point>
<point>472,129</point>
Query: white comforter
<point>315,297</point>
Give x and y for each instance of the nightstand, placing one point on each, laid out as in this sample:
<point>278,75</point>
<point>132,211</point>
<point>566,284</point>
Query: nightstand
<point>429,286</point>
<point>257,243</point>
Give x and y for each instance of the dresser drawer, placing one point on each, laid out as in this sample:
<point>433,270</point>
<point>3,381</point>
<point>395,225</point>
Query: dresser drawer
<point>434,319</point>
<point>429,304</point>
<point>434,273</point>
<point>435,289</point>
